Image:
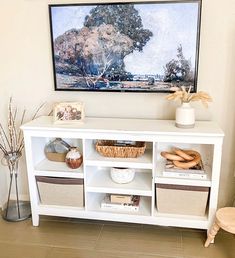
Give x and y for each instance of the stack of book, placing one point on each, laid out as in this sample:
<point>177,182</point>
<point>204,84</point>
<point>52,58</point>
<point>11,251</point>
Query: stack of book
<point>196,172</point>
<point>120,202</point>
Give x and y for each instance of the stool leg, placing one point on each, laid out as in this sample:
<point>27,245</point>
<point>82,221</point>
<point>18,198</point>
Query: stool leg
<point>211,235</point>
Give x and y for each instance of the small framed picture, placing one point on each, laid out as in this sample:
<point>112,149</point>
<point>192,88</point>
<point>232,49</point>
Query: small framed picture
<point>68,112</point>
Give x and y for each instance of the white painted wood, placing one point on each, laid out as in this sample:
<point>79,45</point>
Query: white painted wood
<point>115,125</point>
<point>154,172</point>
<point>58,169</point>
<point>101,182</point>
<point>144,162</point>
<point>206,137</point>
<point>96,198</point>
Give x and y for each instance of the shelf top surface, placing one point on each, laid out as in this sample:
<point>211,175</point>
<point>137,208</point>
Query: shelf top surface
<point>120,125</point>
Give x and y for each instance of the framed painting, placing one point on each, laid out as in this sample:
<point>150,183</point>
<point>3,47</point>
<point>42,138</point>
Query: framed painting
<point>130,47</point>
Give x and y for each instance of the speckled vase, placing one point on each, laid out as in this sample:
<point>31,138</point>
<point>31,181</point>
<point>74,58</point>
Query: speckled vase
<point>74,158</point>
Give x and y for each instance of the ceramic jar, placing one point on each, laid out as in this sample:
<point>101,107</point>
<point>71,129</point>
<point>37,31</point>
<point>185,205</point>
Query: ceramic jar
<point>74,158</point>
<point>185,116</point>
<point>122,175</point>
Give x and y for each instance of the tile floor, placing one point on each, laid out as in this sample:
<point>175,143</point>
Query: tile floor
<point>74,238</point>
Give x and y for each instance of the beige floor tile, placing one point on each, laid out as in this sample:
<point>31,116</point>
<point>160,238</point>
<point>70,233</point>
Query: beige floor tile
<point>193,245</point>
<point>146,241</point>
<point>105,222</point>
<point>81,253</point>
<point>61,234</point>
<point>78,238</point>
<point>9,250</point>
<point>9,230</point>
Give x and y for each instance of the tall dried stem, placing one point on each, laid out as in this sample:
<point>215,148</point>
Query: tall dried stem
<point>11,139</point>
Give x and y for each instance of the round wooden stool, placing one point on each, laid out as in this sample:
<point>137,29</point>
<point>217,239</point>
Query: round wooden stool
<point>225,219</point>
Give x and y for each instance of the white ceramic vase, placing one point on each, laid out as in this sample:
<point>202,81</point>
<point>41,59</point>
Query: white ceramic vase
<point>185,116</point>
<point>122,175</point>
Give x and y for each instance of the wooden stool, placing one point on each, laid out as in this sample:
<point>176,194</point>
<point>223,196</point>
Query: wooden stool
<point>225,219</point>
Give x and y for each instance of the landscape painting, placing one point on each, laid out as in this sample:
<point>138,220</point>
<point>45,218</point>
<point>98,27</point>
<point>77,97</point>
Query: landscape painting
<point>130,47</point>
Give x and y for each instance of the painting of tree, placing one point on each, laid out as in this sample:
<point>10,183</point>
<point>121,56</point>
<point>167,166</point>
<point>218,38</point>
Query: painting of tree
<point>117,47</point>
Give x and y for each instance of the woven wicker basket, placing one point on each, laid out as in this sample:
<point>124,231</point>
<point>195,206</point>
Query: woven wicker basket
<point>107,148</point>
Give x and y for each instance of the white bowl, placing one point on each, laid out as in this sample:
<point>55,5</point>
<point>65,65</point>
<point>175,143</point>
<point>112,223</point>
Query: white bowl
<point>122,175</point>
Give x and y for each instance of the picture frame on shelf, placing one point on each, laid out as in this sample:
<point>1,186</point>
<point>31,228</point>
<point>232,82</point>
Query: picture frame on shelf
<point>68,112</point>
<point>125,47</point>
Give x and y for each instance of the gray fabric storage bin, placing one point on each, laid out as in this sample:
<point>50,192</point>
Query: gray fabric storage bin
<point>181,199</point>
<point>60,191</point>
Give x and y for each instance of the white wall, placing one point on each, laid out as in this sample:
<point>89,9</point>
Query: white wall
<point>26,73</point>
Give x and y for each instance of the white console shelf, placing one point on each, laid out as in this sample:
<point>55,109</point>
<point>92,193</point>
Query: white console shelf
<point>206,137</point>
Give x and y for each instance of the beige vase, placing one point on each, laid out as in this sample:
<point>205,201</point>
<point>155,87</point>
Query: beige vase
<point>185,116</point>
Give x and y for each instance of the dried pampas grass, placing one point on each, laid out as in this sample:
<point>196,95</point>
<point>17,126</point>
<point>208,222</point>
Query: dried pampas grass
<point>185,96</point>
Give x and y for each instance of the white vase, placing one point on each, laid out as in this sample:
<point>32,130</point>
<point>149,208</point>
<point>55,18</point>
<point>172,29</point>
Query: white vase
<point>122,175</point>
<point>185,116</point>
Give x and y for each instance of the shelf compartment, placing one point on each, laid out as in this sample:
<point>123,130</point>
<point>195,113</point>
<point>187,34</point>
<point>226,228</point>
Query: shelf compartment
<point>96,198</point>
<point>159,178</point>
<point>144,162</point>
<point>39,144</point>
<point>99,180</point>
<point>57,169</point>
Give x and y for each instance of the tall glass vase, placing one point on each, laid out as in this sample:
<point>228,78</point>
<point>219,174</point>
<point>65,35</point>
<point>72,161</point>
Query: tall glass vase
<point>15,209</point>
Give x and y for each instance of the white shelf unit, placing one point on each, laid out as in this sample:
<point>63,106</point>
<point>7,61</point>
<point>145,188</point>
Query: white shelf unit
<point>159,135</point>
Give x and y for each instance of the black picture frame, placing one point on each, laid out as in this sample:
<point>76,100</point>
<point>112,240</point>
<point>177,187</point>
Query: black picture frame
<point>119,48</point>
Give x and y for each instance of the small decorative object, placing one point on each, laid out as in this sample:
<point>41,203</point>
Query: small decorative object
<point>185,114</point>
<point>120,149</point>
<point>74,158</point>
<point>183,159</point>
<point>122,175</point>
<point>107,204</point>
<point>68,112</point>
<point>120,198</point>
<point>11,145</point>
<point>56,150</point>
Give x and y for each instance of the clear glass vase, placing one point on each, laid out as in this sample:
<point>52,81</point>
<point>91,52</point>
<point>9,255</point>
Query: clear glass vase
<point>15,209</point>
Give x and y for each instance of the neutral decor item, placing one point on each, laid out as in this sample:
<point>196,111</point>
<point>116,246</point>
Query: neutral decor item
<point>182,199</point>
<point>56,150</point>
<point>74,158</point>
<point>185,114</point>
<point>183,159</point>
<point>68,112</point>
<point>112,149</point>
<point>135,47</point>
<point>12,145</point>
<point>122,175</point>
<point>61,191</point>
<point>225,219</point>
